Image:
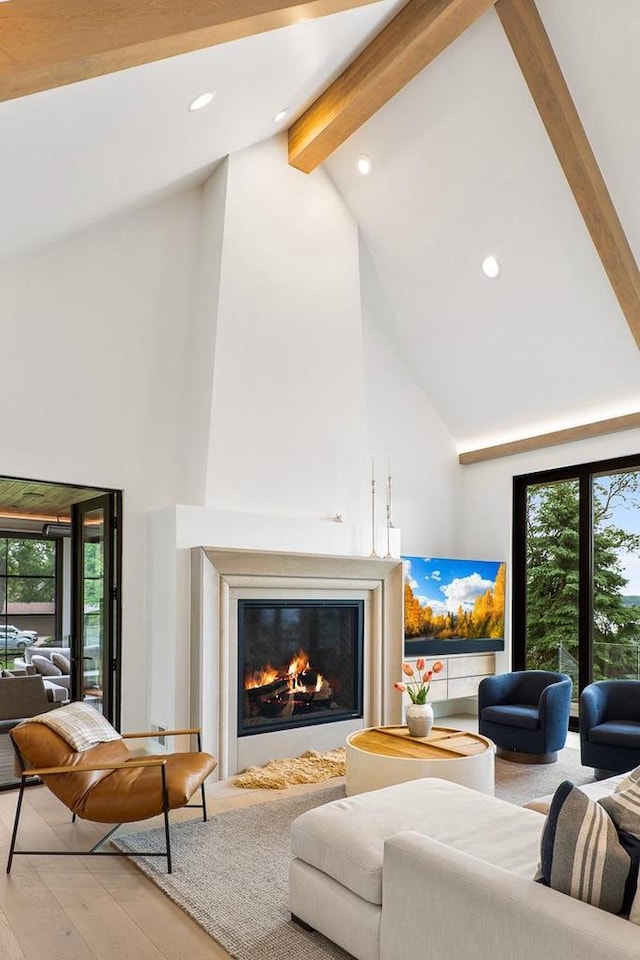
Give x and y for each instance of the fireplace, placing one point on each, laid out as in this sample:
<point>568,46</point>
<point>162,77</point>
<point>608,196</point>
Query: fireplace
<point>230,585</point>
<point>300,663</point>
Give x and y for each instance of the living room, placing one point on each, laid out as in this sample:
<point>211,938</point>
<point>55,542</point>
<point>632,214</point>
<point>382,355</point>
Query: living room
<point>231,342</point>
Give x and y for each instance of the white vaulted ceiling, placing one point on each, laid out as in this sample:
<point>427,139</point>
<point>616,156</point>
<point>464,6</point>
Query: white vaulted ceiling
<point>76,154</point>
<point>462,168</point>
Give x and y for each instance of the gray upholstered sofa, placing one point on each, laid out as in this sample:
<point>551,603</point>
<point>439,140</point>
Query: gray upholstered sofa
<point>55,676</point>
<point>431,869</point>
<point>22,697</point>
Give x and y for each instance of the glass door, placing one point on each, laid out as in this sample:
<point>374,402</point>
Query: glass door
<point>576,572</point>
<point>96,616</point>
<point>615,633</point>
<point>551,580</point>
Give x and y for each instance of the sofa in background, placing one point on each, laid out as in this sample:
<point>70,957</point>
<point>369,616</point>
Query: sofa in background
<point>433,869</point>
<point>56,676</point>
<point>21,698</point>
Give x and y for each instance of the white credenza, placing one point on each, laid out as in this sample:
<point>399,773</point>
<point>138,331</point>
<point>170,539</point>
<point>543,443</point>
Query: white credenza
<point>461,675</point>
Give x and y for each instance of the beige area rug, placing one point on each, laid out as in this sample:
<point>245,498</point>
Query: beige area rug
<point>520,782</point>
<point>313,766</point>
<point>231,876</point>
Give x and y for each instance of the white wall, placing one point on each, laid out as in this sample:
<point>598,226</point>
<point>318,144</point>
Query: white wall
<point>404,426</point>
<point>288,426</point>
<point>94,337</point>
<point>484,518</point>
<point>197,408</point>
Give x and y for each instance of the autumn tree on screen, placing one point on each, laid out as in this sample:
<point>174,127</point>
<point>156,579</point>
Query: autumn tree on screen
<point>485,619</point>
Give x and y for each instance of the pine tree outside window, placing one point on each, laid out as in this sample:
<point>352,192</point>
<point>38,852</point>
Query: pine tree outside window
<point>576,573</point>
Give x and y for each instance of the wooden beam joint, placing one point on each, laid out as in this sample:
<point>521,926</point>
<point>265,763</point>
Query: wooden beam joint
<point>416,35</point>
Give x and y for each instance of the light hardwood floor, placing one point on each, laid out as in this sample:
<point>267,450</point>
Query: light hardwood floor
<point>81,908</point>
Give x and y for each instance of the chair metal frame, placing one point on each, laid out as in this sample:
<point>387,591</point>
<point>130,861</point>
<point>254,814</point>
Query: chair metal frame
<point>149,761</point>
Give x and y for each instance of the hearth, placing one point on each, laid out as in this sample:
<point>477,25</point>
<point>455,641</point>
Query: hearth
<point>300,663</point>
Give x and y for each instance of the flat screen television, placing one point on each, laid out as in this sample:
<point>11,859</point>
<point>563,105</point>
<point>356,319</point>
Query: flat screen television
<point>453,606</point>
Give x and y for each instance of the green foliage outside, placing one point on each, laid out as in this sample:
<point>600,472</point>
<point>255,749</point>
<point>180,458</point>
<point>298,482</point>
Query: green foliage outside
<point>27,575</point>
<point>552,578</point>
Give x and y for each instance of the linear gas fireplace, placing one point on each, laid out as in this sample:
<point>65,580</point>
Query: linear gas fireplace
<point>300,662</point>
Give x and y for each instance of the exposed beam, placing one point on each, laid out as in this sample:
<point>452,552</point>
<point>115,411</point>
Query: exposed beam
<point>630,421</point>
<point>49,43</point>
<point>541,70</point>
<point>415,37</point>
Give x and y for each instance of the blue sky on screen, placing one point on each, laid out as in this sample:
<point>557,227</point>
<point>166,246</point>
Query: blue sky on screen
<point>445,584</point>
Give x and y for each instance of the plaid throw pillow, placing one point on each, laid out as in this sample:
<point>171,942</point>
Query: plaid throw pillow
<point>581,853</point>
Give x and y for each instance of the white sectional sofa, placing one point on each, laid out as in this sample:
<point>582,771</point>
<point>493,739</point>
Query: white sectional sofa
<point>431,869</point>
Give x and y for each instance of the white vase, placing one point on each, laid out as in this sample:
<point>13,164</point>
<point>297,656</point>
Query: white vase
<point>419,719</point>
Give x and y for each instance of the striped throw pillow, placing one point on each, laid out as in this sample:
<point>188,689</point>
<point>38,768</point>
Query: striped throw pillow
<point>623,806</point>
<point>581,854</point>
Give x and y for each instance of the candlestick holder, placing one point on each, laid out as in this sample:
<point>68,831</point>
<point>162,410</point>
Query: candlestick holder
<point>387,555</point>
<point>373,519</point>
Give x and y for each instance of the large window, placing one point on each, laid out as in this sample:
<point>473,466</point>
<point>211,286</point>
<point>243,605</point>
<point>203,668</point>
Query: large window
<point>29,593</point>
<point>577,571</point>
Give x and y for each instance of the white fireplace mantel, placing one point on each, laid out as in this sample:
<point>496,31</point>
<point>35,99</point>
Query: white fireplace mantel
<point>219,577</point>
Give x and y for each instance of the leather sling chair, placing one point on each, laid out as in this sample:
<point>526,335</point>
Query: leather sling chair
<point>105,783</point>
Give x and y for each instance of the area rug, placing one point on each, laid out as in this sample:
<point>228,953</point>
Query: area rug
<point>231,874</point>
<point>521,782</point>
<point>313,766</point>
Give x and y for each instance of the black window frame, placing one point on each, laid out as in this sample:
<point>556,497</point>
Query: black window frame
<point>8,534</point>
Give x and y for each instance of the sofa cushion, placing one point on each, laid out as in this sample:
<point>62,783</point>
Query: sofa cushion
<point>581,854</point>
<point>45,667</point>
<point>63,663</point>
<point>514,715</point>
<point>616,733</point>
<point>345,838</point>
<point>55,692</point>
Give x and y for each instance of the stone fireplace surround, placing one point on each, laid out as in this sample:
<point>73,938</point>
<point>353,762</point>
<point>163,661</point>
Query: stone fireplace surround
<point>219,577</point>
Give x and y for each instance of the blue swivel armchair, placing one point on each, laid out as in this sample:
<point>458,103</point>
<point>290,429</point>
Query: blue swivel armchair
<point>610,726</point>
<point>526,714</point>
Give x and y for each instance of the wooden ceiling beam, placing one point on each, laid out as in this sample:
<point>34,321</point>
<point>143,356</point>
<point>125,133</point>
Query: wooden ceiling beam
<point>541,70</point>
<point>415,37</point>
<point>598,428</point>
<point>46,44</point>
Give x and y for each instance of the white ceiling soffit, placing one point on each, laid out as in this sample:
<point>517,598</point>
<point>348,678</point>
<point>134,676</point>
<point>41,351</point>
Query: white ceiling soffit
<point>76,154</point>
<point>463,168</point>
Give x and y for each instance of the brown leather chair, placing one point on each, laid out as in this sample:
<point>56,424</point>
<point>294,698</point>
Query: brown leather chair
<point>106,783</point>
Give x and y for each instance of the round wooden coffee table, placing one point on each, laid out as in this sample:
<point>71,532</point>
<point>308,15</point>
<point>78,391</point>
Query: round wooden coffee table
<point>381,756</point>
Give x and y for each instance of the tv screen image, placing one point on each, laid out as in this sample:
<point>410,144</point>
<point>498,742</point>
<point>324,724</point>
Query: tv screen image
<point>451,600</point>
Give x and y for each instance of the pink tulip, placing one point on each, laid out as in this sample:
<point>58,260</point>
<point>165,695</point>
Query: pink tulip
<point>399,686</point>
<point>407,669</point>
<point>421,663</point>
<point>427,675</point>
<point>438,666</point>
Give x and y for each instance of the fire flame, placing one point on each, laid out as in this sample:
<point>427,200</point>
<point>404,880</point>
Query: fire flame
<point>260,678</point>
<point>299,664</point>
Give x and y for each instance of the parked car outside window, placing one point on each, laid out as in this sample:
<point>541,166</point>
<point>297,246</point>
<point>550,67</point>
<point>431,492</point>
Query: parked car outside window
<point>12,637</point>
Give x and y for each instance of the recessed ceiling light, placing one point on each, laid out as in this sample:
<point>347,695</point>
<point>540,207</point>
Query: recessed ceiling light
<point>490,267</point>
<point>202,101</point>
<point>364,164</point>
<point>280,115</point>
